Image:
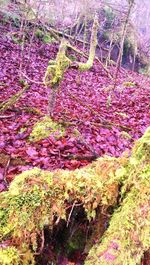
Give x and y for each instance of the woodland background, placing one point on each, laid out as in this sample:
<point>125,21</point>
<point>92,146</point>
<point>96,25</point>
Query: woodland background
<point>74,132</point>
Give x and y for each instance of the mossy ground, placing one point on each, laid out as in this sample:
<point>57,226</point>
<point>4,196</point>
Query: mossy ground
<point>44,128</point>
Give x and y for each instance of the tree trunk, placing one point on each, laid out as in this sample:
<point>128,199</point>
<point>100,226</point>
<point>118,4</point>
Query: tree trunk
<point>93,44</point>
<point>54,74</point>
<point>124,30</point>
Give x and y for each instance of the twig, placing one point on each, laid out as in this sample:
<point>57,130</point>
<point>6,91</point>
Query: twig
<point>6,169</point>
<point>56,33</point>
<point>105,69</point>
<point>79,158</point>
<point>7,117</point>
<point>43,240</point>
<point>31,80</point>
<point>77,205</point>
<point>42,244</point>
<point>68,221</point>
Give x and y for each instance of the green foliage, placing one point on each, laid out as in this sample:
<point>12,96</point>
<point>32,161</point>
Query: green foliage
<point>45,37</point>
<point>45,128</point>
<point>9,256</point>
<point>39,33</point>
<point>48,38</point>
<point>22,81</point>
<point>110,15</point>
<point>145,70</point>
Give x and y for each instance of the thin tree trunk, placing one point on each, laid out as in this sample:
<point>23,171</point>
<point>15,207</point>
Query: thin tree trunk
<point>52,100</point>
<point>119,60</point>
<point>93,44</point>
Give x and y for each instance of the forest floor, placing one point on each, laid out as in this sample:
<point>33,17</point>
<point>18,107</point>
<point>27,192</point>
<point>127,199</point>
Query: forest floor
<point>83,100</point>
<point>97,123</point>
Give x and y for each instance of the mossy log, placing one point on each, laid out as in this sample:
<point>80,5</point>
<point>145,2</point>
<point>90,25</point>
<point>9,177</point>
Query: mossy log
<point>37,199</point>
<point>128,235</point>
<point>12,101</point>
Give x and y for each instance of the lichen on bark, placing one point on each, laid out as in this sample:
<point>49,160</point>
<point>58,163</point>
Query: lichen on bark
<point>56,68</point>
<point>93,44</point>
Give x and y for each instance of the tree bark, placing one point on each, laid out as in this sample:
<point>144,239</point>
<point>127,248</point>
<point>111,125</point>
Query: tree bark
<point>124,30</point>
<point>93,44</point>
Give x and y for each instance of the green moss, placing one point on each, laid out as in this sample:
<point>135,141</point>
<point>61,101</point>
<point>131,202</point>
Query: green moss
<point>141,150</point>
<point>85,66</point>
<point>129,84</point>
<point>36,198</point>
<point>44,128</point>
<point>9,256</point>
<point>93,44</point>
<point>45,37</point>
<point>12,256</point>
<point>39,33</point>
<point>128,235</point>
<point>55,70</point>
<point>12,101</point>
<point>48,38</point>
